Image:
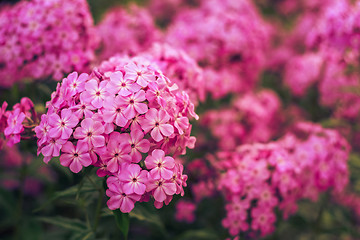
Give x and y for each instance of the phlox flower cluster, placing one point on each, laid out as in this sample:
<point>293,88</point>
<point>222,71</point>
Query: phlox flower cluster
<point>18,122</point>
<point>126,31</point>
<point>257,178</point>
<point>226,35</point>
<point>45,38</point>
<point>180,68</point>
<point>125,118</point>
<point>323,48</point>
<point>252,117</point>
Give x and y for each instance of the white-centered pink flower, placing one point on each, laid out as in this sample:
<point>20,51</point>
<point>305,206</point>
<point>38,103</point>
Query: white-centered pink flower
<point>75,157</point>
<point>134,179</point>
<point>161,166</point>
<point>157,121</point>
<point>62,127</point>
<point>91,132</point>
<point>120,85</point>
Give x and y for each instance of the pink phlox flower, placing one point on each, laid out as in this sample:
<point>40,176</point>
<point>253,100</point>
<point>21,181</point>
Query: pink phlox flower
<point>179,178</point>
<point>140,74</point>
<point>14,122</point>
<point>52,149</point>
<point>119,199</point>
<point>134,123</point>
<point>185,211</point>
<point>138,145</point>
<point>120,85</point>
<point>91,132</point>
<point>95,92</point>
<point>134,104</point>
<point>76,83</point>
<point>114,111</point>
<point>155,94</point>
<point>181,123</point>
<point>83,109</point>
<point>161,166</point>
<point>75,158</point>
<point>157,122</point>
<point>42,130</point>
<point>161,188</point>
<point>263,220</point>
<point>117,152</point>
<point>134,179</point>
<point>62,127</point>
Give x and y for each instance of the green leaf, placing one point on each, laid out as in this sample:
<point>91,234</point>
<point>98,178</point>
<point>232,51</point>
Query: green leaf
<point>83,236</point>
<point>72,191</point>
<point>142,214</point>
<point>67,223</point>
<point>122,221</point>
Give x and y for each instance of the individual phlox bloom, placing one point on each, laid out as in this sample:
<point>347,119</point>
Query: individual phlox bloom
<point>141,75</point>
<point>120,85</point>
<point>95,93</point>
<point>119,199</point>
<point>62,127</point>
<point>117,152</point>
<point>52,148</point>
<point>134,179</point>
<point>76,84</point>
<point>263,220</point>
<point>154,93</point>
<point>91,132</point>
<point>161,166</point>
<point>42,130</point>
<point>156,121</point>
<point>161,188</point>
<point>138,144</point>
<point>75,157</point>
<point>113,111</point>
<point>14,126</point>
<point>134,104</point>
<point>83,109</point>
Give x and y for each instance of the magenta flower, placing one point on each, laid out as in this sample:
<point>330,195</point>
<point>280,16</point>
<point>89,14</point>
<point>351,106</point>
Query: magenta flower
<point>119,199</point>
<point>117,152</point>
<point>62,127</point>
<point>114,111</point>
<point>95,93</point>
<point>134,179</point>
<point>121,86</point>
<point>75,158</point>
<point>138,144</point>
<point>134,104</point>
<point>90,132</point>
<point>42,130</point>
<point>157,121</point>
<point>52,149</point>
<point>161,166</point>
<point>141,75</point>
<point>162,189</point>
<point>14,123</point>
<point>83,109</point>
<point>76,84</point>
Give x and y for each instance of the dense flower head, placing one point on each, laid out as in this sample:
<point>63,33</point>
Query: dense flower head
<point>45,38</point>
<point>18,122</point>
<point>180,68</point>
<point>112,119</point>
<point>253,117</point>
<point>256,178</point>
<point>126,31</point>
<point>222,35</point>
